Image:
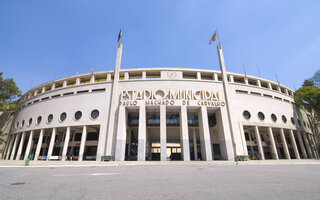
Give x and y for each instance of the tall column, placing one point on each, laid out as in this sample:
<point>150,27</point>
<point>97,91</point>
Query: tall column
<point>195,149</point>
<point>142,133</point>
<point>121,134</point>
<point>273,145</point>
<point>15,146</point>
<point>163,133</point>
<point>83,142</point>
<point>6,147</point>
<point>294,145</point>
<point>204,134</point>
<point>39,145</point>
<point>260,149</point>
<point>304,153</point>
<point>184,135</point>
<point>307,145</point>
<point>284,144</point>
<point>21,146</point>
<point>226,146</point>
<point>52,140</point>
<point>113,103</point>
<point>101,141</point>
<point>28,150</point>
<point>65,144</point>
<point>12,138</point>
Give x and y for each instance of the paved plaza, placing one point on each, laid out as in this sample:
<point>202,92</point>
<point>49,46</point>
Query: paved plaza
<point>161,180</point>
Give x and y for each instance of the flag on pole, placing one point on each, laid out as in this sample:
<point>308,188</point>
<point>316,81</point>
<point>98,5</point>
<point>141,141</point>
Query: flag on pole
<point>214,37</point>
<point>120,35</point>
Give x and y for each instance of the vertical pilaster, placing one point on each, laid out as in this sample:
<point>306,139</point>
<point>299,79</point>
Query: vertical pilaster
<point>39,145</point>
<point>195,149</point>
<point>15,146</point>
<point>304,153</point>
<point>92,78</point>
<point>21,146</point>
<point>284,144</point>
<point>52,140</point>
<point>65,144</point>
<point>260,149</point>
<point>83,142</point>
<point>294,145</point>
<point>184,135</point>
<point>307,145</point>
<point>163,133</point>
<point>273,145</point>
<point>121,134</point>
<point>142,133</point>
<point>28,150</point>
<point>204,134</point>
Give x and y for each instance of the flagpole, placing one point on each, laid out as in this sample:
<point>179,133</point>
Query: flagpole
<point>218,36</point>
<point>233,154</point>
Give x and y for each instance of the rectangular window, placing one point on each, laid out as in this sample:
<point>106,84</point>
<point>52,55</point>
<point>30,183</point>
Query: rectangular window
<point>77,137</point>
<point>99,90</point>
<point>241,91</point>
<point>278,98</point>
<point>92,136</point>
<point>54,96</point>
<point>82,91</point>
<point>256,93</point>
<point>66,94</point>
<point>266,95</point>
<point>247,136</point>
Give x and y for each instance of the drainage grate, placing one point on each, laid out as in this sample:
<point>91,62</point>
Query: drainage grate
<point>17,183</point>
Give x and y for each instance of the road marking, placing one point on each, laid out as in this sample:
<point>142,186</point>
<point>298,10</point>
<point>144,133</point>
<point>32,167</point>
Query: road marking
<point>94,174</point>
<point>50,166</point>
<point>130,164</point>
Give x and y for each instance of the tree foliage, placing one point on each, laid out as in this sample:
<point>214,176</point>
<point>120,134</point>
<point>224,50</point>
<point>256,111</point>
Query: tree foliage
<point>315,79</point>
<point>308,97</point>
<point>9,91</point>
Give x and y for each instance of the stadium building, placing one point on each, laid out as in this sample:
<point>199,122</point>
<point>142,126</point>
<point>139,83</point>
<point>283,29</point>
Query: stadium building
<point>160,114</point>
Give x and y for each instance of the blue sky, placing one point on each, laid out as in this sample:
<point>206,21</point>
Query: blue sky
<point>45,40</point>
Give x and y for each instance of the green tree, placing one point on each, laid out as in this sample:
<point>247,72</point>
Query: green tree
<point>315,79</point>
<point>8,93</point>
<point>308,97</point>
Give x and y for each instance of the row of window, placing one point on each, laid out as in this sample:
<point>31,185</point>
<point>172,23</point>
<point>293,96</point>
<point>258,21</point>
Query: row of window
<point>246,114</point>
<point>262,94</point>
<point>62,117</point>
<point>63,95</point>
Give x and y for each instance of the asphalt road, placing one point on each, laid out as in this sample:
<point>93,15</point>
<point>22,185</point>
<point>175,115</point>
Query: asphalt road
<point>161,181</point>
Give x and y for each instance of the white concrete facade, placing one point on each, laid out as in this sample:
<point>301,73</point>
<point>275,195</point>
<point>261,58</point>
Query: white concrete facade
<point>160,114</point>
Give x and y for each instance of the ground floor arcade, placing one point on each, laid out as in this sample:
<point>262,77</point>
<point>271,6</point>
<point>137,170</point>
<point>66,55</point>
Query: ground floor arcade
<point>278,143</point>
<point>63,143</point>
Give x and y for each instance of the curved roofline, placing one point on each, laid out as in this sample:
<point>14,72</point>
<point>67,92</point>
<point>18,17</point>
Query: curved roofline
<point>153,69</point>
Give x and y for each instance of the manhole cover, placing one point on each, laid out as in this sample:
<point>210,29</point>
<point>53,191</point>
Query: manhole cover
<point>17,183</point>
